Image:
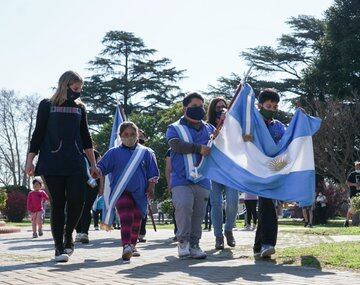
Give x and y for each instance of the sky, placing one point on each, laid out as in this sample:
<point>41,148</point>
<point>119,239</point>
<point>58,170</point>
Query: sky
<point>40,39</point>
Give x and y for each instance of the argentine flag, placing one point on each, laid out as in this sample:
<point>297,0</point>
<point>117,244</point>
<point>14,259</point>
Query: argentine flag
<point>244,156</point>
<point>114,141</point>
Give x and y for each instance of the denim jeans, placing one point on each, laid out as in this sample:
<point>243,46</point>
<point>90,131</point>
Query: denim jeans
<point>216,198</point>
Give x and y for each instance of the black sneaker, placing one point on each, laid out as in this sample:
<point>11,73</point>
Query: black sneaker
<point>306,224</point>
<point>61,256</point>
<point>219,242</point>
<point>346,224</point>
<point>230,238</point>
<point>84,238</point>
<point>40,233</point>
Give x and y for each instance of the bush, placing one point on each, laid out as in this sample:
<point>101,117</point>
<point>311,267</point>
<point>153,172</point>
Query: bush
<point>15,209</point>
<point>11,188</point>
<point>355,203</point>
<point>3,198</point>
<point>167,207</point>
<point>337,199</point>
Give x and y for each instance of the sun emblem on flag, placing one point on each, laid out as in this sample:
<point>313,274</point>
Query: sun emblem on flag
<point>278,163</point>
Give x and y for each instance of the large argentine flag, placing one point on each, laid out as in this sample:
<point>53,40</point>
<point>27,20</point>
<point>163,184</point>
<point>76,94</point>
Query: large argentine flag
<point>283,171</point>
<point>114,141</point>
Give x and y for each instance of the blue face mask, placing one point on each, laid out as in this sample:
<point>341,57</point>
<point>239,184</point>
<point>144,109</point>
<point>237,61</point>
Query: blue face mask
<point>195,113</point>
<point>72,95</point>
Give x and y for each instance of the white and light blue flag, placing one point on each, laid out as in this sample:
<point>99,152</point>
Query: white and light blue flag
<point>283,171</point>
<point>114,141</point>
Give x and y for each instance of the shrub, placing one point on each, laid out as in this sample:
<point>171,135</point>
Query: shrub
<point>355,203</point>
<point>15,209</point>
<point>337,198</point>
<point>3,198</point>
<point>167,207</point>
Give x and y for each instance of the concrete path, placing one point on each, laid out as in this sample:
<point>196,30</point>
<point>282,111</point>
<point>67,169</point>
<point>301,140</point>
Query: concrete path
<point>24,260</point>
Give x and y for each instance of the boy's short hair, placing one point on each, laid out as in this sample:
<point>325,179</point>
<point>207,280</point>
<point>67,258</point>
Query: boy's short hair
<point>186,101</point>
<point>268,94</point>
<point>36,180</point>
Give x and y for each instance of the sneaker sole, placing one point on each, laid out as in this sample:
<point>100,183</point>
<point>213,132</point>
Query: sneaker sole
<point>267,253</point>
<point>198,257</point>
<point>184,256</point>
<point>62,258</point>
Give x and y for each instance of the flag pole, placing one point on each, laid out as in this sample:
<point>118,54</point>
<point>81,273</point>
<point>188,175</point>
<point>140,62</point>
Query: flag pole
<point>233,99</point>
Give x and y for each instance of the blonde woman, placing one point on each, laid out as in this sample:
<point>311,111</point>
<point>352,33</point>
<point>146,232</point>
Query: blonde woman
<point>60,136</point>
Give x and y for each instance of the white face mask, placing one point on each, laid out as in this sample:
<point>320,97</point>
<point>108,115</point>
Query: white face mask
<point>130,141</point>
<point>357,170</point>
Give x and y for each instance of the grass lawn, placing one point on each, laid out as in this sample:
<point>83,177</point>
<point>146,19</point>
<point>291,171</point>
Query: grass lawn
<point>333,227</point>
<point>344,255</point>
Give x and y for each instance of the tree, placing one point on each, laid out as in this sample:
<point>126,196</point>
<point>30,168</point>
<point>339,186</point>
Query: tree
<point>336,145</point>
<point>336,71</point>
<point>285,64</point>
<point>17,117</point>
<point>226,88</point>
<point>127,71</point>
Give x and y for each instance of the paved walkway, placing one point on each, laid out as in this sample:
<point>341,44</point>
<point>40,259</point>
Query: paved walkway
<point>24,260</point>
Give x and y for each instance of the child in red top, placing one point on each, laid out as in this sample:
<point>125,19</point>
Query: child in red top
<point>35,201</point>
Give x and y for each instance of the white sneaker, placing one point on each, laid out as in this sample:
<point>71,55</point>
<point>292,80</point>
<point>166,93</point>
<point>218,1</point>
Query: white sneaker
<point>267,250</point>
<point>196,252</point>
<point>127,252</point>
<point>183,249</point>
<point>135,252</point>
<point>78,237</point>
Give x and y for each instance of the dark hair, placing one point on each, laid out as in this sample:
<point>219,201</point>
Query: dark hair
<point>127,124</point>
<point>36,180</point>
<point>186,101</point>
<point>268,94</point>
<point>211,110</point>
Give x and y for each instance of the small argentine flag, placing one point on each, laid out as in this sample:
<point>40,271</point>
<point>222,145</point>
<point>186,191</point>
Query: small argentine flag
<point>245,157</point>
<point>114,141</point>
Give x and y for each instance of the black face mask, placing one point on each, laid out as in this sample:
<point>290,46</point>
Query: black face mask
<point>72,95</point>
<point>218,114</point>
<point>195,113</point>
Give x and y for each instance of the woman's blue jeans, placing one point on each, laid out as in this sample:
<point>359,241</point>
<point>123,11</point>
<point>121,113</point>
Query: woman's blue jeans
<point>231,208</point>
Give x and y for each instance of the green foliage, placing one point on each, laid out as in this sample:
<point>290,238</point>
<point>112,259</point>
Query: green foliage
<point>292,55</point>
<point>336,69</point>
<point>355,203</point>
<point>167,207</point>
<point>102,138</point>
<point>318,59</point>
<point>3,198</point>
<point>127,71</point>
